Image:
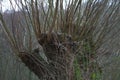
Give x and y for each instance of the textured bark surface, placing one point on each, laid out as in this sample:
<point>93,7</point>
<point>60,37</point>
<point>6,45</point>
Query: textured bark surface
<point>37,66</point>
<point>59,51</point>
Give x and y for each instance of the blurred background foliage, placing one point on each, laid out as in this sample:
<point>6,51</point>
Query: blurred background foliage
<point>92,23</point>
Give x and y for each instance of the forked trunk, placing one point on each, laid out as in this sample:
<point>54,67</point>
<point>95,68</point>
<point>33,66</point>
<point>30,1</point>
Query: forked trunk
<point>59,50</point>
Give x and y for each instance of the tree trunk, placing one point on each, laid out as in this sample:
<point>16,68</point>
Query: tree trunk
<point>59,51</point>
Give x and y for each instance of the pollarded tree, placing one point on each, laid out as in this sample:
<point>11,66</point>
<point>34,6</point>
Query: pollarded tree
<point>72,35</point>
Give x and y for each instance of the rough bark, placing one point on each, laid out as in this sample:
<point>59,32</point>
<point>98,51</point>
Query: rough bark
<point>59,49</point>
